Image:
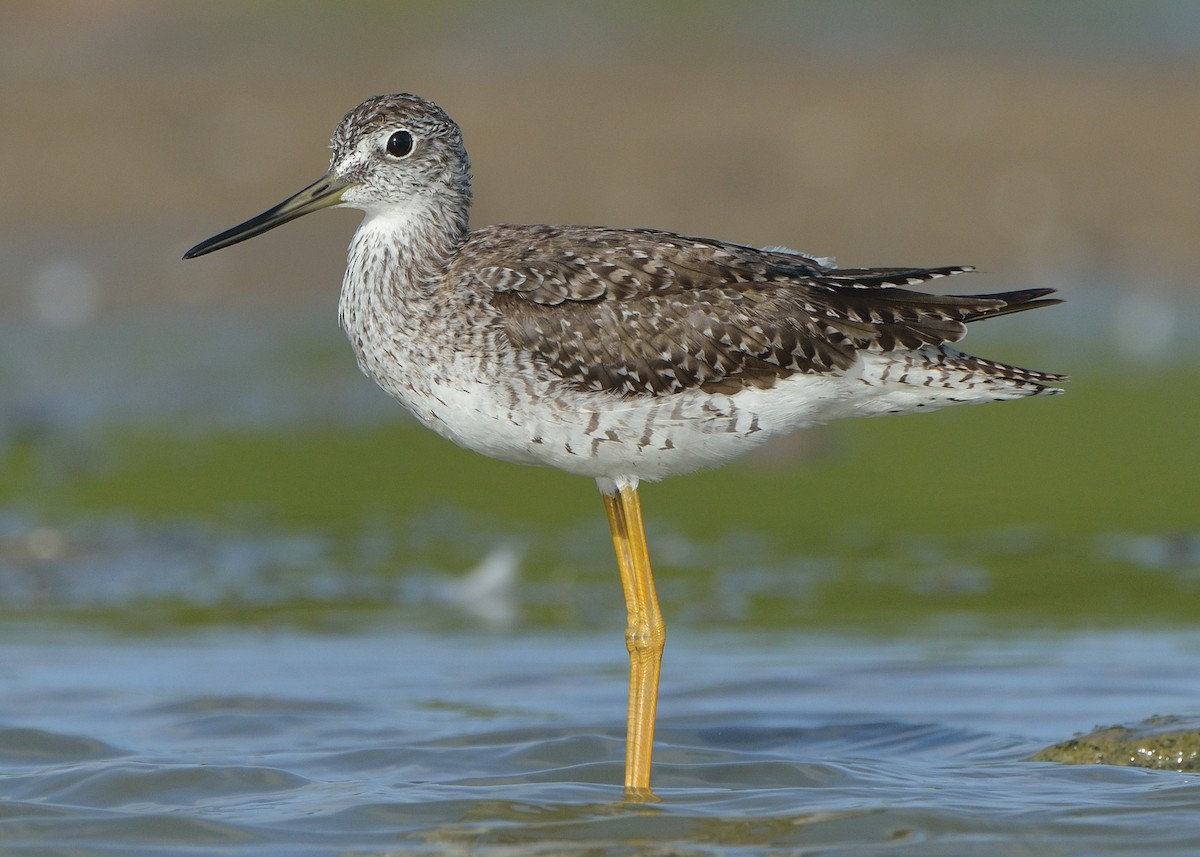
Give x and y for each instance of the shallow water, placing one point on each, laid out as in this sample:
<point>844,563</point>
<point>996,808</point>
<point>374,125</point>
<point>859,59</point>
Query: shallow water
<point>389,742</point>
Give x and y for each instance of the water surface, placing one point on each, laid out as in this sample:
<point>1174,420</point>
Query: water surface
<point>383,742</point>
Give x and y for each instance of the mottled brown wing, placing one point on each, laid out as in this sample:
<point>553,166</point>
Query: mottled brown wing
<point>638,311</point>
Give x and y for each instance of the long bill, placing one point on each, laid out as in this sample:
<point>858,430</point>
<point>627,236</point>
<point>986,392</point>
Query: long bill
<point>323,193</point>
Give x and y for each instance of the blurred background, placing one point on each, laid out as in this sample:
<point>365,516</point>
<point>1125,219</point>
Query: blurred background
<point>196,436</point>
<point>247,603</point>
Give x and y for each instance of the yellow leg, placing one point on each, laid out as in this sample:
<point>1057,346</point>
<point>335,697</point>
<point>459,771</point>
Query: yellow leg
<point>644,634</point>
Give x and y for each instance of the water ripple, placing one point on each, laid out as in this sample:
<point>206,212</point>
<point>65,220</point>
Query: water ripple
<point>290,744</point>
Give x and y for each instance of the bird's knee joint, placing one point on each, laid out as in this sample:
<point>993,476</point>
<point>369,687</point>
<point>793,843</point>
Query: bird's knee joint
<point>644,639</point>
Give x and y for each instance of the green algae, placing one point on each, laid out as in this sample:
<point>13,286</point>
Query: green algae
<point>994,516</point>
<point>1163,743</point>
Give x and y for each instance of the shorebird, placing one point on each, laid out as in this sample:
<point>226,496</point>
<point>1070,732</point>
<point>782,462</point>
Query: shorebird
<point>626,355</point>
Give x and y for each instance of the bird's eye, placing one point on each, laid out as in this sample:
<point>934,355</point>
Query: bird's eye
<point>400,144</point>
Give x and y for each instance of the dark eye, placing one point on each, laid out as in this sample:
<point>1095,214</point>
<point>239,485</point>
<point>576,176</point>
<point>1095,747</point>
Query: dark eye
<point>400,144</point>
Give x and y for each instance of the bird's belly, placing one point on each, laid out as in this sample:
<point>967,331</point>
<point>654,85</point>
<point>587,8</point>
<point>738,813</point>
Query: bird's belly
<point>606,435</point>
<point>539,419</point>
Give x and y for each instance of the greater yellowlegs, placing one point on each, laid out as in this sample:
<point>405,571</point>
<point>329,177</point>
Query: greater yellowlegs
<point>619,354</point>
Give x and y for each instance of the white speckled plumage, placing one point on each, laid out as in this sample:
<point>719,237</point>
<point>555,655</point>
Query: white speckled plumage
<point>430,305</point>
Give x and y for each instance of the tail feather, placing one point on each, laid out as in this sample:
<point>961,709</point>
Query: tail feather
<point>1017,301</point>
<point>1003,371</point>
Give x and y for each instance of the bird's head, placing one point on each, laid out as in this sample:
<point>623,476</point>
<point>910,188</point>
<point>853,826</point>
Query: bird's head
<point>392,153</point>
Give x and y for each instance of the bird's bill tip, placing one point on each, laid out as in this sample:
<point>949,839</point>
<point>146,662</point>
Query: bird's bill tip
<point>325,192</point>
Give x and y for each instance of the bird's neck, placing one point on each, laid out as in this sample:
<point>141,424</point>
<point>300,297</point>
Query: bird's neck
<point>409,246</point>
<point>396,264</point>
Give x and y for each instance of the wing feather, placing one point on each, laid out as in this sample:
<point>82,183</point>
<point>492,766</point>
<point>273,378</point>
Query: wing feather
<point>641,311</point>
